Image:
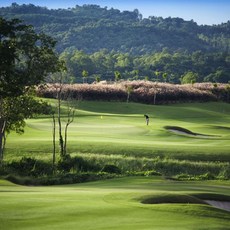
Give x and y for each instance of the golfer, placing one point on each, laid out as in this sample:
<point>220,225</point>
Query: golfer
<point>147,119</point>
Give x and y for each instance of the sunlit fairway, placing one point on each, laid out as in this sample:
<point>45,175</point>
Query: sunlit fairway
<point>119,128</point>
<point>112,128</point>
<point>111,204</point>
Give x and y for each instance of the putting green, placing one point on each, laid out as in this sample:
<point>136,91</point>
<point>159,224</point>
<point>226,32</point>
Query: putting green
<point>110,204</point>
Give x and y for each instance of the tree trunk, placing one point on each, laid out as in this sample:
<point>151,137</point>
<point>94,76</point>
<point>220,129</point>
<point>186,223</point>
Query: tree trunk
<point>69,121</point>
<point>2,139</point>
<point>1,147</point>
<point>154,99</point>
<point>61,142</point>
<point>65,142</point>
<point>54,140</point>
<point>128,97</point>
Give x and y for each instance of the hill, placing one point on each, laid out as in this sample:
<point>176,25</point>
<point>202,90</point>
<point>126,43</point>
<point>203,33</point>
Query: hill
<point>91,28</point>
<point>102,41</point>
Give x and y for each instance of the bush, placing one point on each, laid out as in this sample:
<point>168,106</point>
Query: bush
<point>206,176</point>
<point>21,180</point>
<point>70,178</point>
<point>183,176</point>
<point>76,164</point>
<point>29,167</point>
<point>152,173</point>
<point>82,165</point>
<point>111,169</point>
<point>224,173</point>
<point>65,164</point>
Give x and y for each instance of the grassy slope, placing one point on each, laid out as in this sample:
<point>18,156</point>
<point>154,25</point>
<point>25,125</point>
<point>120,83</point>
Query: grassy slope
<point>111,204</point>
<point>119,128</point>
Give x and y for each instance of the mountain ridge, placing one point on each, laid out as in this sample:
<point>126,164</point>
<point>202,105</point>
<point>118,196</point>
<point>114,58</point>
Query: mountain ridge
<point>91,28</point>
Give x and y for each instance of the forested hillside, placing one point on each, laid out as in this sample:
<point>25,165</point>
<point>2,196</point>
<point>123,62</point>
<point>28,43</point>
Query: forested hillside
<point>91,28</point>
<point>102,41</point>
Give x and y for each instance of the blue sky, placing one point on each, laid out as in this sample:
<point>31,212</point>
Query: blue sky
<point>201,11</point>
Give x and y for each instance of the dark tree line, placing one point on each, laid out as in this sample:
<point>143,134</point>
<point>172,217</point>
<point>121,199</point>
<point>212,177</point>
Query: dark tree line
<point>177,67</point>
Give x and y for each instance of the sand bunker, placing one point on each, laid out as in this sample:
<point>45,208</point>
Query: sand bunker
<point>216,200</point>
<point>183,131</point>
<point>225,205</point>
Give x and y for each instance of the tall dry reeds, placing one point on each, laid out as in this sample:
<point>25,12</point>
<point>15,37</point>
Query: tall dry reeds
<point>143,92</point>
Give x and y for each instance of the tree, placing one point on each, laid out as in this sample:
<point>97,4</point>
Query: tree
<point>157,73</point>
<point>129,90</point>
<point>136,74</point>
<point>165,76</point>
<point>14,111</point>
<point>25,59</point>
<point>84,75</point>
<point>117,76</point>
<point>97,78</point>
<point>189,78</point>
<point>63,96</point>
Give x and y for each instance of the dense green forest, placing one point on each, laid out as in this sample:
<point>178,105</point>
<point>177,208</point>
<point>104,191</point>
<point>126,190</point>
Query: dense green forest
<point>106,43</point>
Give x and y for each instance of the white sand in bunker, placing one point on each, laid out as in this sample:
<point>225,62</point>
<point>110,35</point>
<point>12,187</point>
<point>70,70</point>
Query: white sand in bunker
<point>225,205</point>
<point>184,133</point>
<point>179,132</point>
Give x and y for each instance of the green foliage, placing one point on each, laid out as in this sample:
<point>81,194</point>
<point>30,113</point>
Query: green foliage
<point>76,164</point>
<point>125,31</point>
<point>29,167</point>
<point>17,109</point>
<point>101,41</point>
<point>152,173</point>
<point>224,173</point>
<point>164,66</point>
<point>26,58</point>
<point>59,179</point>
<point>111,169</point>
<point>189,78</point>
<point>178,169</point>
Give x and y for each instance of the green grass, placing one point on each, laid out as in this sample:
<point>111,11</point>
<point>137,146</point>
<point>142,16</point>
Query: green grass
<point>117,133</point>
<point>119,128</point>
<point>111,204</point>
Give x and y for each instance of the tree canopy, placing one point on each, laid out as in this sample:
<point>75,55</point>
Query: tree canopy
<point>25,59</point>
<point>162,66</point>
<point>102,41</point>
<point>91,28</point>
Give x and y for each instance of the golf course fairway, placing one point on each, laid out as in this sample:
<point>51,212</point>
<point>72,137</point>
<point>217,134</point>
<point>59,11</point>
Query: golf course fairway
<point>196,134</point>
<point>120,128</point>
<point>111,204</point>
